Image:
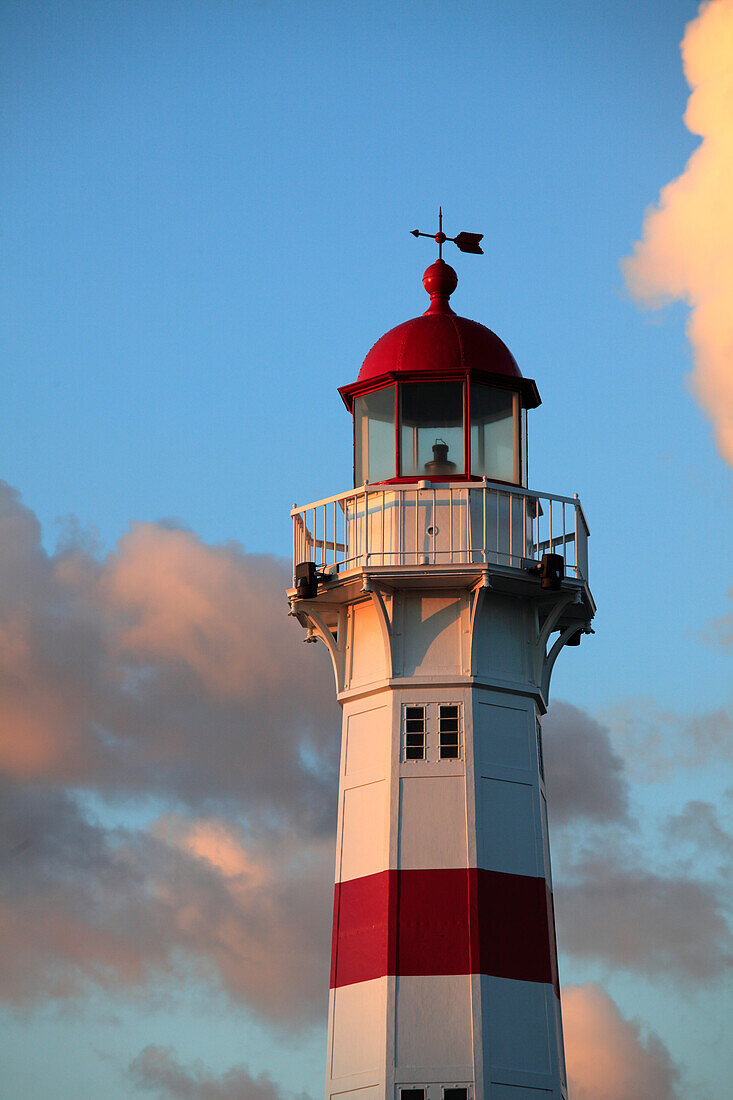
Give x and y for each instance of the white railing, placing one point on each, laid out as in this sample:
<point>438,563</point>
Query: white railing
<point>463,523</point>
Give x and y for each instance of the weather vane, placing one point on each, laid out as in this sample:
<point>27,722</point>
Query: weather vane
<point>467,242</point>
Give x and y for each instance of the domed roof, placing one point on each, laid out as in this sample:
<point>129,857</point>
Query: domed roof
<point>439,340</point>
<point>441,344</point>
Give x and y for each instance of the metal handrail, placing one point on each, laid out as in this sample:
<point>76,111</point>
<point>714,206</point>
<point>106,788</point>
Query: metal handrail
<point>427,523</point>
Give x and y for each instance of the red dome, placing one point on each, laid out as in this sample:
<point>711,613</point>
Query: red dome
<point>439,344</point>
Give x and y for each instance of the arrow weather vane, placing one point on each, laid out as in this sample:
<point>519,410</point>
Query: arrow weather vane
<point>466,242</point>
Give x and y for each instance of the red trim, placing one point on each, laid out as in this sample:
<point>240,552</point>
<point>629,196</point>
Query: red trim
<point>443,921</point>
<point>439,479</point>
<point>526,386</point>
<point>397,426</point>
<point>467,426</point>
<point>361,388</point>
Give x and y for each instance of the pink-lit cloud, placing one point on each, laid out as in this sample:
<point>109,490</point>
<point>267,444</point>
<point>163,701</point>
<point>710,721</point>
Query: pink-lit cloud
<point>167,666</point>
<point>608,1057</point>
<point>686,251</point>
<point>84,906</point>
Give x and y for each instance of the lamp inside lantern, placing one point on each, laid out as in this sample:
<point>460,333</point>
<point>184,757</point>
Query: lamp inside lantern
<point>440,463</point>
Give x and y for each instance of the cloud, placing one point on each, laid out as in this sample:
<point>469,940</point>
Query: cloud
<point>656,741</point>
<point>608,1057</point>
<point>257,910</point>
<point>686,251</point>
<point>168,667</point>
<point>83,905</point>
<point>585,777</point>
<point>157,1069</point>
<point>720,630</point>
<point>698,825</point>
<point>610,906</point>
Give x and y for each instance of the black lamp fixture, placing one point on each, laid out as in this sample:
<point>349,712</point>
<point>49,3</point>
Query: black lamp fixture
<point>550,570</point>
<point>307,579</point>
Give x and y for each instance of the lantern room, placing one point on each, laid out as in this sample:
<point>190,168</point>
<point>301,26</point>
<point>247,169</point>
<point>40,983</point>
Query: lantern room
<point>440,398</point>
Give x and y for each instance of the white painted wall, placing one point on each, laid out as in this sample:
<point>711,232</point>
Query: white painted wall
<point>497,1036</point>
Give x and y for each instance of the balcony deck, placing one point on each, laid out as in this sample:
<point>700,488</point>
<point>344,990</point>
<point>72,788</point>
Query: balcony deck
<point>446,529</point>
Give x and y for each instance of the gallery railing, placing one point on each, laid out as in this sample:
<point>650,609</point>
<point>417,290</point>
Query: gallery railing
<point>459,523</point>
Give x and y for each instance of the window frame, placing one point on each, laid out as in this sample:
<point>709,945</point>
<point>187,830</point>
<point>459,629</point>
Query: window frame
<point>465,1089</point>
<point>464,449</point>
<point>449,732</point>
<point>407,759</point>
<point>519,430</point>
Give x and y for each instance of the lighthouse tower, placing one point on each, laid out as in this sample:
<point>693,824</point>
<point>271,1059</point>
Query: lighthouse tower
<point>444,589</point>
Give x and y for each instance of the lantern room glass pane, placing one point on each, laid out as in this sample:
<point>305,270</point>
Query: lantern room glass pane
<point>492,432</point>
<point>374,436</point>
<point>431,429</point>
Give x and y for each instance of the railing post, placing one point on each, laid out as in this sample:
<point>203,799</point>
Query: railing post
<point>564,555</point>
<point>450,524</point>
<point>383,521</point>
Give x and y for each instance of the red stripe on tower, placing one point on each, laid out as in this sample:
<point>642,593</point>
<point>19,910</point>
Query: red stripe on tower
<point>444,921</point>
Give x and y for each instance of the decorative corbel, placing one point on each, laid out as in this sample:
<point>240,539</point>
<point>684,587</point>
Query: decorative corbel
<point>385,626</point>
<point>336,646</point>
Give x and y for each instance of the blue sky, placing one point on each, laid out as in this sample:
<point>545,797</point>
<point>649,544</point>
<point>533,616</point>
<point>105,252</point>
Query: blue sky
<point>205,218</point>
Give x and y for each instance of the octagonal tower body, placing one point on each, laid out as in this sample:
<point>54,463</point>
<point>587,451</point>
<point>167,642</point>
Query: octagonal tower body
<point>444,589</point>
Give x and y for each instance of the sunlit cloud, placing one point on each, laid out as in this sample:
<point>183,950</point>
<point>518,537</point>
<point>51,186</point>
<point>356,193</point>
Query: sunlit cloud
<point>608,1057</point>
<point>686,251</point>
<point>167,666</point>
<point>84,906</point>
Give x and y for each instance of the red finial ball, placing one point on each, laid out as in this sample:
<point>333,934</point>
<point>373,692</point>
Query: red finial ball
<point>440,280</point>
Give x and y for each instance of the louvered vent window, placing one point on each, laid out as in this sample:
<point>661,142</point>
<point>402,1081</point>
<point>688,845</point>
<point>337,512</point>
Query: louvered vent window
<point>448,731</point>
<point>414,740</point>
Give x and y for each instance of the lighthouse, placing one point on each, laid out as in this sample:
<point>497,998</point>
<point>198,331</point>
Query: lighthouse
<point>444,588</point>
